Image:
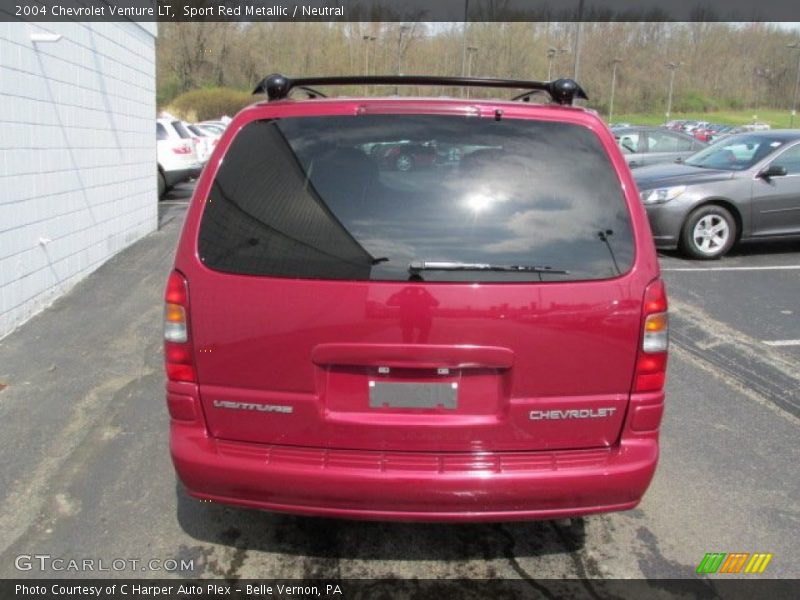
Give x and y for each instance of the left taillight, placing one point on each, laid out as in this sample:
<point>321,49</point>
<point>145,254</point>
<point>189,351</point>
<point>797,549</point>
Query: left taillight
<point>178,355</point>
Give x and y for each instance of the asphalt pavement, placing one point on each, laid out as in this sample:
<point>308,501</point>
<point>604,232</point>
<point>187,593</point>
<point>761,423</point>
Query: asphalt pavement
<point>86,471</point>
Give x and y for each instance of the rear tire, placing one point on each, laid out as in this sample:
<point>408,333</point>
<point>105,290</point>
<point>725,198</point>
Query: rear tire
<point>708,233</point>
<point>162,185</point>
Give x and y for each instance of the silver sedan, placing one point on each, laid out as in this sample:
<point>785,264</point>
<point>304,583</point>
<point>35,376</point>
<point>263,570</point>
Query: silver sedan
<point>744,187</point>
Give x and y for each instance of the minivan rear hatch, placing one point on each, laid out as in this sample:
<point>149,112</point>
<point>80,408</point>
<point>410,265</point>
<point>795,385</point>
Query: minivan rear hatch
<point>469,293</point>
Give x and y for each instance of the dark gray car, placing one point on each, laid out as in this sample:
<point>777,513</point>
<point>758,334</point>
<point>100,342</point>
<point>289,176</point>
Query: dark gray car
<point>642,145</point>
<point>743,187</point>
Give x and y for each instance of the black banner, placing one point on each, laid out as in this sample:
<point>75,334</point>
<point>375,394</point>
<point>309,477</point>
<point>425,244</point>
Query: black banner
<point>399,10</point>
<point>349,589</point>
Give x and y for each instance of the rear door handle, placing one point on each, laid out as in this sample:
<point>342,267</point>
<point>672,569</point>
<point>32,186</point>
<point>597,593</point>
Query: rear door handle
<point>413,356</point>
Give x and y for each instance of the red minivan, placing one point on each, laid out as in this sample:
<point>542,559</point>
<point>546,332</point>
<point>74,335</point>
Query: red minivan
<point>481,340</point>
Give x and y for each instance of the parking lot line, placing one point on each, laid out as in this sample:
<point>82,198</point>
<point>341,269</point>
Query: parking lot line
<point>705,269</point>
<point>782,342</point>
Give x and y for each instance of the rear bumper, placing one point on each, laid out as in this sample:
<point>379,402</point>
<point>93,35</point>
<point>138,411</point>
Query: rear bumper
<point>414,486</point>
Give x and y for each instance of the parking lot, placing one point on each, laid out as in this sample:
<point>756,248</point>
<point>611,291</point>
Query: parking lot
<point>83,437</point>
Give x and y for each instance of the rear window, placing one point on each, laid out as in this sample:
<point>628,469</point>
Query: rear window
<point>161,132</point>
<point>179,127</point>
<point>416,197</point>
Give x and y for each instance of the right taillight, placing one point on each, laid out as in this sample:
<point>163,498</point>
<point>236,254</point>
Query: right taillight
<point>178,355</point>
<point>651,363</point>
<point>182,149</point>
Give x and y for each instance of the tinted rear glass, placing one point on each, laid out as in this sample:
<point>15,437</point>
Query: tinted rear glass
<point>181,130</point>
<point>364,197</point>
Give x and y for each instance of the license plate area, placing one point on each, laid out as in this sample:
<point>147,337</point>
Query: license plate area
<point>413,394</point>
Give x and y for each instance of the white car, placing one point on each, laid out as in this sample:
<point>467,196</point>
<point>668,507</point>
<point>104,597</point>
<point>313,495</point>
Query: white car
<point>206,140</point>
<point>756,127</point>
<point>217,126</point>
<point>177,155</point>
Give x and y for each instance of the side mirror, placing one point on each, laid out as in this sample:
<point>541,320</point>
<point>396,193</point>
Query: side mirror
<point>772,171</point>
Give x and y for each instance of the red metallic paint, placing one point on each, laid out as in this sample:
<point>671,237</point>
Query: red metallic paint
<point>315,345</point>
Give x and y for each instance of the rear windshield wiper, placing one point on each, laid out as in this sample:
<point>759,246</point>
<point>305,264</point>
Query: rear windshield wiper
<point>417,266</point>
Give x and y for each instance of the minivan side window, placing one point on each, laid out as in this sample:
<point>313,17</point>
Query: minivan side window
<point>367,197</point>
<point>161,132</point>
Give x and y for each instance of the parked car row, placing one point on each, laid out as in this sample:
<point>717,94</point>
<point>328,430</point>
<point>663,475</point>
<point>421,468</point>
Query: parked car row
<point>644,145</point>
<point>183,149</point>
<point>707,187</point>
<point>708,132</point>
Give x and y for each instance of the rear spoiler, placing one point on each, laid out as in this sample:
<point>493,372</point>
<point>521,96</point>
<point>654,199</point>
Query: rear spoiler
<point>561,91</point>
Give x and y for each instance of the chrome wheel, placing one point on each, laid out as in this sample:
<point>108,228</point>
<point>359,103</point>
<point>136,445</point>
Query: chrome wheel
<point>711,234</point>
<point>708,232</point>
<point>404,162</point>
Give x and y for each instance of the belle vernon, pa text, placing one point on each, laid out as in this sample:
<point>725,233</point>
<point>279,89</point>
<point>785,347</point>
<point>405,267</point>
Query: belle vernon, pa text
<point>136,589</point>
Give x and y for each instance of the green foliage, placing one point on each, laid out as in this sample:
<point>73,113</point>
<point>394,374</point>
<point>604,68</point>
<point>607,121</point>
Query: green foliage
<point>694,102</point>
<point>167,90</point>
<point>734,103</point>
<point>209,103</point>
<point>723,66</point>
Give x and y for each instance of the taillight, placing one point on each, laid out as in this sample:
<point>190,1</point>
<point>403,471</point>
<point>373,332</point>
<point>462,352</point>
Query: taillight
<point>651,363</point>
<point>182,149</point>
<point>177,347</point>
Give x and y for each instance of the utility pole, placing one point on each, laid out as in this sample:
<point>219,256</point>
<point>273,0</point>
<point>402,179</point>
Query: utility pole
<point>614,62</point>
<point>672,67</point>
<point>464,43</point>
<point>576,70</point>
<point>367,39</point>
<point>471,50</point>
<point>795,46</point>
<point>403,29</point>
<point>551,53</point>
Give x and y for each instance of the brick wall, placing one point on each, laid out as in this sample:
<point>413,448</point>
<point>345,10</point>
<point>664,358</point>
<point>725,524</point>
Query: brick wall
<point>77,155</point>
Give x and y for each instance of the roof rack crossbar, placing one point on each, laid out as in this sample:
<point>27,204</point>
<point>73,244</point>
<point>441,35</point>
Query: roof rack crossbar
<point>562,91</point>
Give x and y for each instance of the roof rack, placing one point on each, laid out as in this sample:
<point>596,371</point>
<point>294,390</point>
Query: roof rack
<point>562,91</point>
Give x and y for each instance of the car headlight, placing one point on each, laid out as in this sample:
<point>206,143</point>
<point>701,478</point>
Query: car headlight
<point>661,195</point>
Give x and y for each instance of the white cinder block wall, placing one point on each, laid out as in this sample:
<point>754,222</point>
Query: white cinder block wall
<point>77,155</point>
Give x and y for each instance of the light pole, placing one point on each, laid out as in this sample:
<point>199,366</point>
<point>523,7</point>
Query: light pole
<point>551,54</point>
<point>615,63</point>
<point>672,67</point>
<point>403,29</point>
<point>795,46</point>
<point>367,39</point>
<point>576,69</point>
<point>470,51</point>
<point>464,42</point>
